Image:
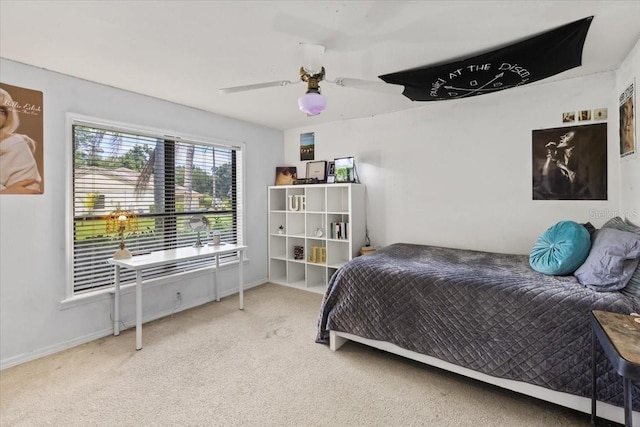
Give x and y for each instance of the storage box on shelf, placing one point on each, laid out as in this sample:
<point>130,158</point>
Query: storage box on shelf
<point>326,220</point>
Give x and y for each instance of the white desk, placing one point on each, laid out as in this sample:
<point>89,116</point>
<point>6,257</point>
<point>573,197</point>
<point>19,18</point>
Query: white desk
<point>171,256</point>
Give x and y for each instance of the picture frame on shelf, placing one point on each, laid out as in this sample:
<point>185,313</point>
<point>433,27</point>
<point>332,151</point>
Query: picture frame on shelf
<point>344,169</point>
<point>331,172</point>
<point>317,170</point>
<point>286,175</point>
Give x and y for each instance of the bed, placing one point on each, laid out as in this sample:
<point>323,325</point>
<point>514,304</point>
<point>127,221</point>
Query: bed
<point>486,315</point>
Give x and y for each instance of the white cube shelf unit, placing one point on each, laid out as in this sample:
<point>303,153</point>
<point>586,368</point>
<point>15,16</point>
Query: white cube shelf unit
<point>326,220</point>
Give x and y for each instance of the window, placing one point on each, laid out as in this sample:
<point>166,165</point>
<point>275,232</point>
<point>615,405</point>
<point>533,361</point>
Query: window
<point>163,180</point>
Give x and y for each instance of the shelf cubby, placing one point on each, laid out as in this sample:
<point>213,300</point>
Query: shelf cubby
<point>302,210</point>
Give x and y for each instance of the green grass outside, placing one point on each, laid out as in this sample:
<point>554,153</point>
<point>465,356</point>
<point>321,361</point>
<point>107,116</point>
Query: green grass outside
<point>96,228</point>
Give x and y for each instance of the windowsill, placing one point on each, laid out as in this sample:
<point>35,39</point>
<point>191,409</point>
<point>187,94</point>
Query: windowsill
<point>106,293</point>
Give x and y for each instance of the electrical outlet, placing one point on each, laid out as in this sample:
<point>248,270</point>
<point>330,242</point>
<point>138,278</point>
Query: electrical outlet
<point>178,296</point>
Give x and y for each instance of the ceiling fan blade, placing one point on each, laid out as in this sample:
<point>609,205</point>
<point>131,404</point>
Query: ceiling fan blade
<point>313,55</point>
<point>256,86</point>
<point>368,85</point>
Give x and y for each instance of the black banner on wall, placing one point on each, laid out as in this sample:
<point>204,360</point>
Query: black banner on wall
<point>524,62</point>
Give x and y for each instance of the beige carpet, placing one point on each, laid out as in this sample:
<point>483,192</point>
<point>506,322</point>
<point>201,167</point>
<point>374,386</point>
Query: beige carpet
<point>218,366</point>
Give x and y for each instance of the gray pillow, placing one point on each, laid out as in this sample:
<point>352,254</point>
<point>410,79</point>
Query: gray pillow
<point>633,286</point>
<point>612,260</point>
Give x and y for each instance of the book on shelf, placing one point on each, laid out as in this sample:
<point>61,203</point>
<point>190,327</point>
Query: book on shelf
<point>339,230</point>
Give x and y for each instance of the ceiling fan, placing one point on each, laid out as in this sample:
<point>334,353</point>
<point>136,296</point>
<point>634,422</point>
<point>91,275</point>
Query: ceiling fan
<point>313,72</point>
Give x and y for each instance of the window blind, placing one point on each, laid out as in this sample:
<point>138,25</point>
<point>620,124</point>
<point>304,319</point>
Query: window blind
<point>164,181</point>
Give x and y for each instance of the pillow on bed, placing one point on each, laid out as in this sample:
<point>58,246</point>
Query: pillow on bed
<point>613,258</point>
<point>561,249</point>
<point>633,286</point>
<point>590,228</point>
<point>618,223</point>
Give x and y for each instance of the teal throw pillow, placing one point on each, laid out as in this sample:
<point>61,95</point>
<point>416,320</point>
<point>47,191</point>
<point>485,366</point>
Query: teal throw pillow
<point>561,249</point>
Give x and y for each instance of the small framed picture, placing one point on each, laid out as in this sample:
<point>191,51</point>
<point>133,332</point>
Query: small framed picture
<point>584,115</point>
<point>331,172</point>
<point>569,117</point>
<point>286,175</point>
<point>344,169</point>
<point>600,114</point>
<point>307,146</point>
<point>317,170</point>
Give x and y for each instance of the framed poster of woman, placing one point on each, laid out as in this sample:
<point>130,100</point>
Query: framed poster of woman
<point>627,119</point>
<point>21,141</point>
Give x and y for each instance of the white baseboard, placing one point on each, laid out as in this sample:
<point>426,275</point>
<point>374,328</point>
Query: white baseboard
<point>46,351</point>
<point>52,349</point>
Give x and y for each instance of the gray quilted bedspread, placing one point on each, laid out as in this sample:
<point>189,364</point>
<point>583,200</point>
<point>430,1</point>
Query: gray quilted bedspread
<point>485,311</point>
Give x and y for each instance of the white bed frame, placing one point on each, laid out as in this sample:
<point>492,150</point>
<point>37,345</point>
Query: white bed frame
<point>582,404</point>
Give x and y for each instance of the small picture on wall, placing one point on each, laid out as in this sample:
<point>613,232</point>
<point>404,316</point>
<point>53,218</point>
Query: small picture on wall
<point>600,114</point>
<point>286,175</point>
<point>627,122</point>
<point>570,163</point>
<point>584,115</point>
<point>569,117</point>
<point>307,146</point>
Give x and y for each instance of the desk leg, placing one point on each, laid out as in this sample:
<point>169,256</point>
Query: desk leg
<point>217,277</point>
<point>593,378</point>
<point>241,279</point>
<point>138,309</point>
<point>628,402</point>
<point>116,303</point>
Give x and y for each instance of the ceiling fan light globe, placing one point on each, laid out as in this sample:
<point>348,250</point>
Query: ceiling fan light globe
<point>312,103</point>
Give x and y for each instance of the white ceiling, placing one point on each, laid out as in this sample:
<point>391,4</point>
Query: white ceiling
<point>184,51</point>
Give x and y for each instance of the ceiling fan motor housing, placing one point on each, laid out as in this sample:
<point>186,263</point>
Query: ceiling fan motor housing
<point>312,103</point>
<point>313,81</point>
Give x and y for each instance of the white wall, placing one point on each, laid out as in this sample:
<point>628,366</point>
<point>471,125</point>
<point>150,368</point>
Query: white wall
<point>628,73</point>
<point>454,173</point>
<point>33,261</point>
<point>458,173</point>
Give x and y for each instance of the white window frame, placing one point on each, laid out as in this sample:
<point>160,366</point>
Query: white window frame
<point>79,119</point>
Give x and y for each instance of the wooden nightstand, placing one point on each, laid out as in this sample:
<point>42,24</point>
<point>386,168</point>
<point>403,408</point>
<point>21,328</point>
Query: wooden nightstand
<point>619,336</point>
